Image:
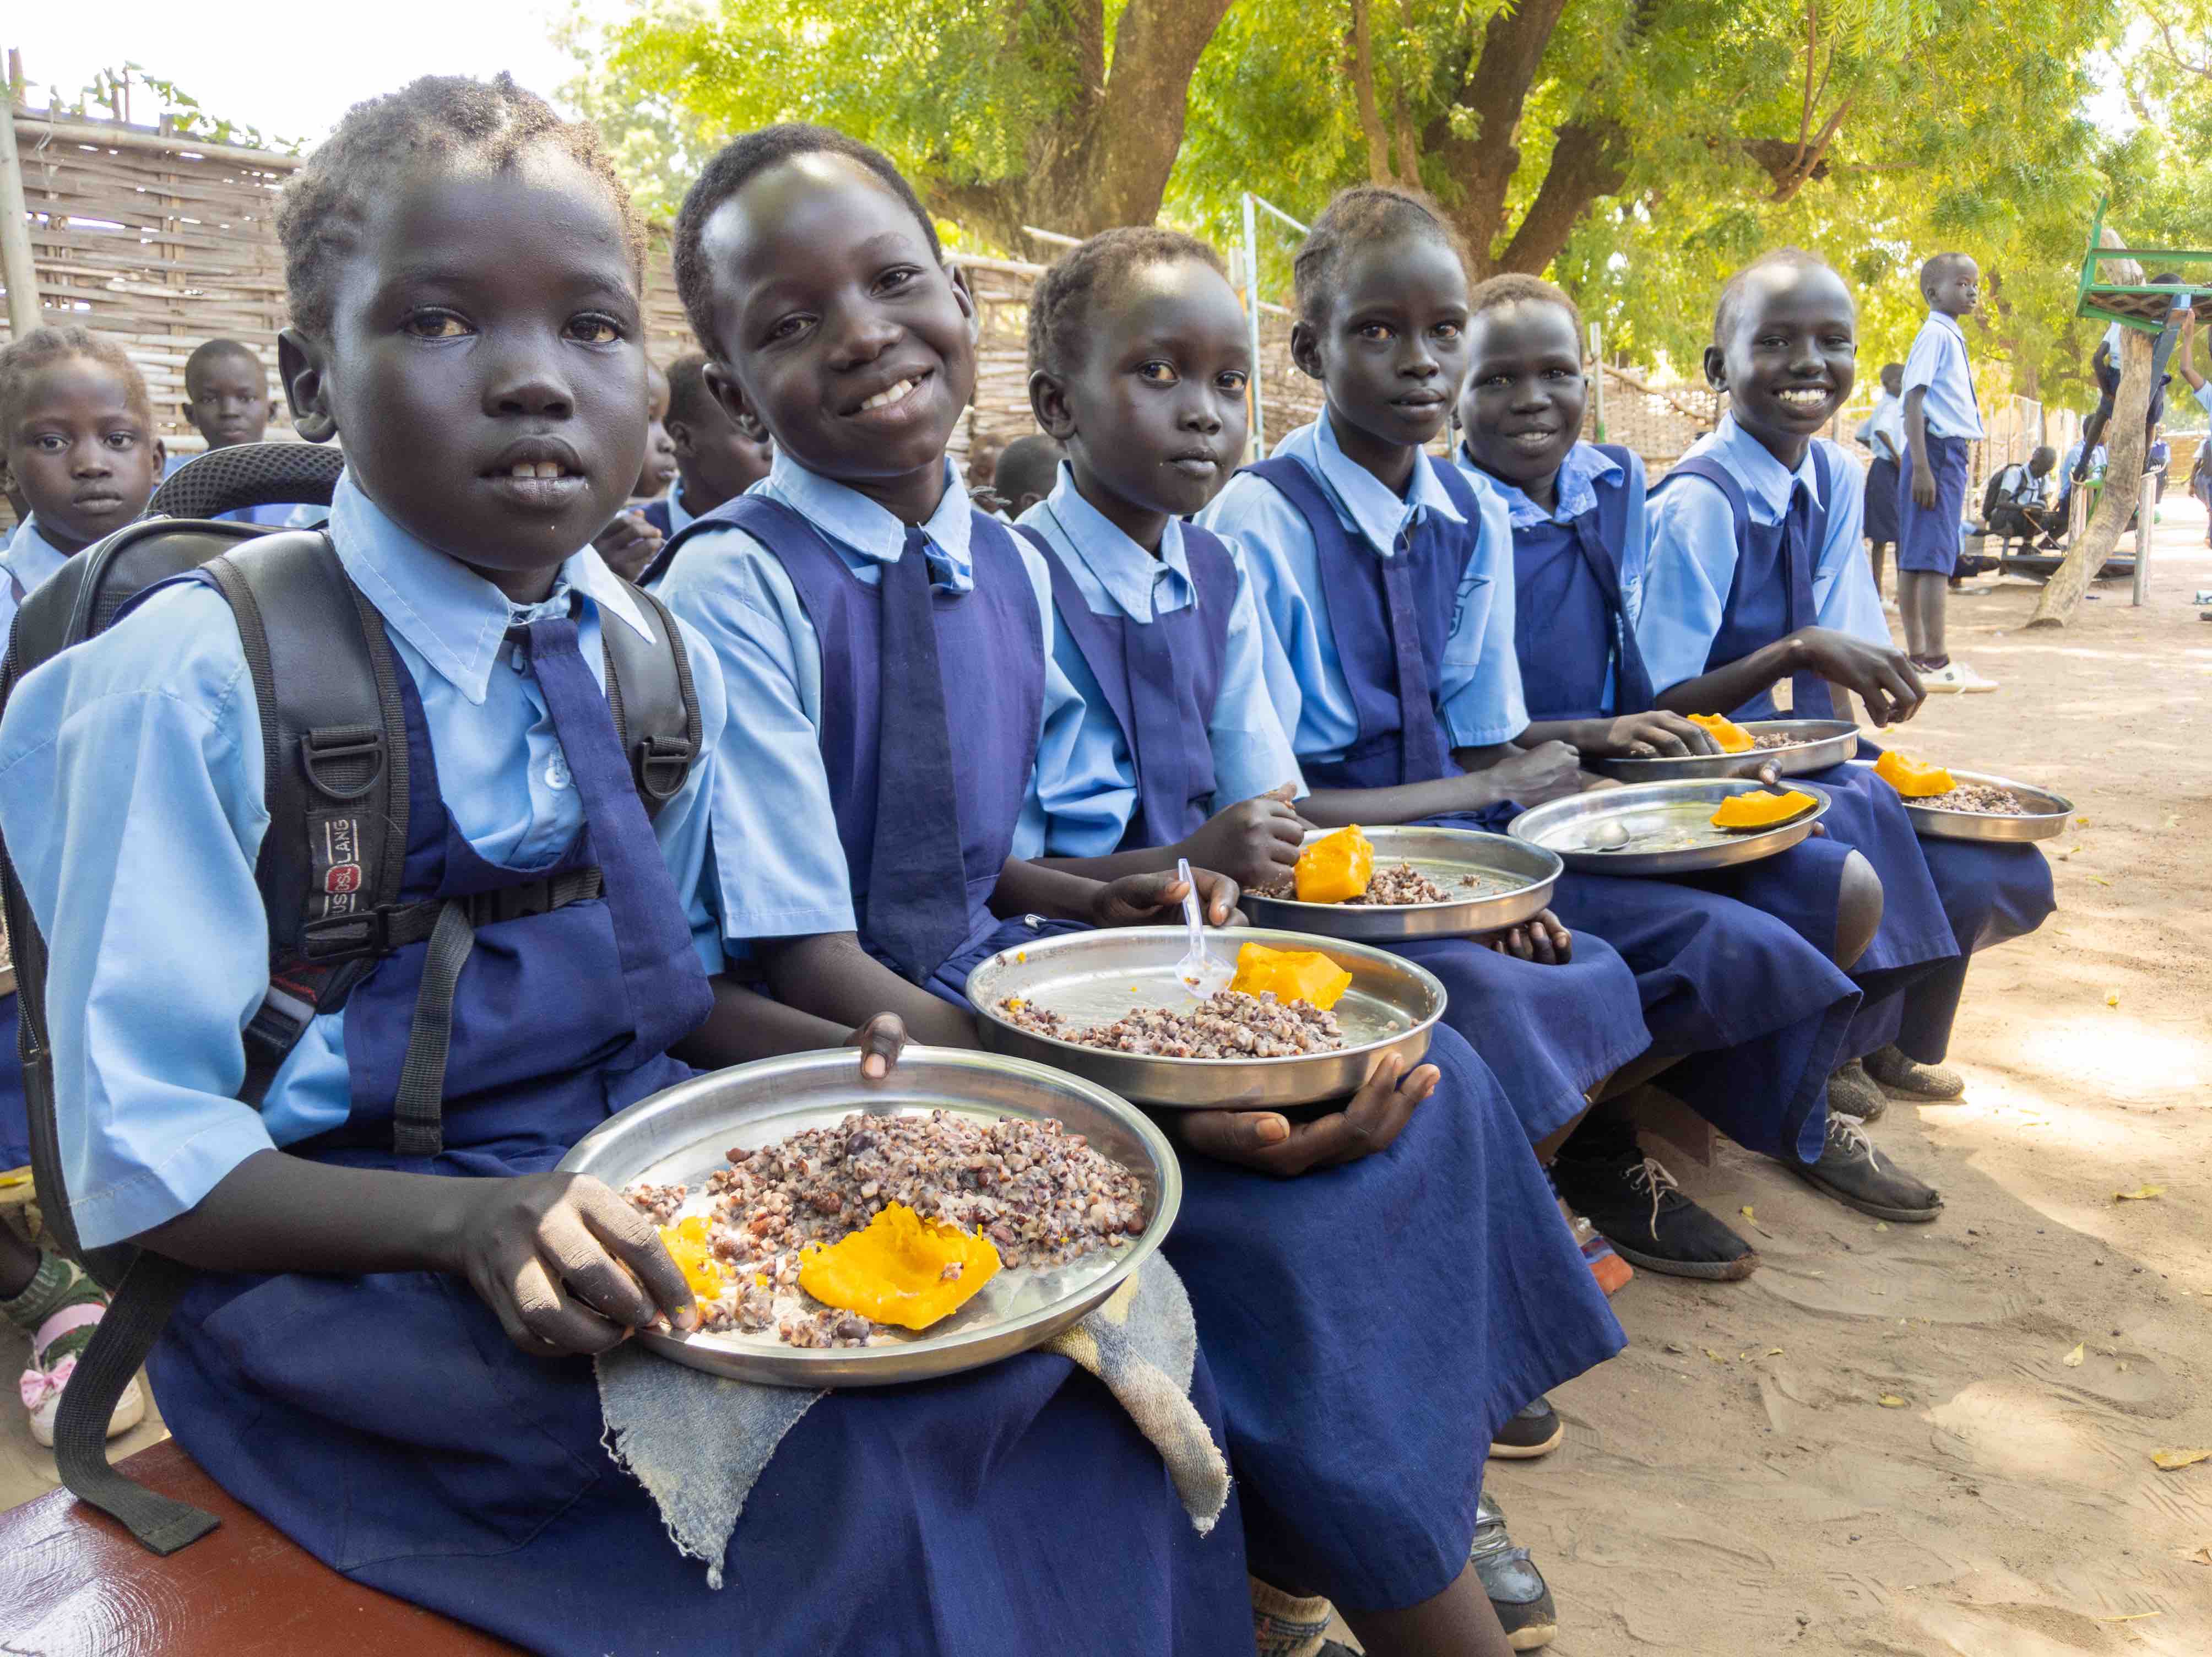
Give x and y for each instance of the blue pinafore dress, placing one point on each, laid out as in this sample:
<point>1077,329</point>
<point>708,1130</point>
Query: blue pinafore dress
<point>387,1423</point>
<point>1942,900</point>
<point>1760,1009</point>
<point>1551,1034</point>
<point>1370,1326</point>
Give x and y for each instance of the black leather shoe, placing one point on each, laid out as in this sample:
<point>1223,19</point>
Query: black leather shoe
<point>1856,1175</point>
<point>1632,1200</point>
<point>1534,1430</point>
<point>1516,1588</point>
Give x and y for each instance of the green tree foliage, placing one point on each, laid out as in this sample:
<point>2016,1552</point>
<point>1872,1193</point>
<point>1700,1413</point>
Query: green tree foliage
<point>1638,151</point>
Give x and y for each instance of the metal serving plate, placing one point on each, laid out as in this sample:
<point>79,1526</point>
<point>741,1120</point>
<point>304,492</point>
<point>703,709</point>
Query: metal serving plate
<point>1675,815</point>
<point>679,1136</point>
<point>1825,742</point>
<point>1095,978</point>
<point>2048,817</point>
<point>1516,881</point>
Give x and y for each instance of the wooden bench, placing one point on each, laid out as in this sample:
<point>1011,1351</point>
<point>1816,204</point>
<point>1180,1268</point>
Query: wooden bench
<point>74,1584</point>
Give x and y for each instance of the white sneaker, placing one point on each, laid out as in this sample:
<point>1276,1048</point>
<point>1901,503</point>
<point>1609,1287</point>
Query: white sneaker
<point>42,1383</point>
<point>1954,678</point>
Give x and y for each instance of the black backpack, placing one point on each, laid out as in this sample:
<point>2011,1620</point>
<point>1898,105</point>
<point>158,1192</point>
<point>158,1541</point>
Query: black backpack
<point>335,750</point>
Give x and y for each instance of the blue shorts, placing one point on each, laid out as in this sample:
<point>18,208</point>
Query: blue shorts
<point>1928,537</point>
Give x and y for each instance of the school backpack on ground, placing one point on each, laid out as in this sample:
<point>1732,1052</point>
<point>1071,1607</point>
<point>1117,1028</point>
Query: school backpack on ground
<point>334,741</point>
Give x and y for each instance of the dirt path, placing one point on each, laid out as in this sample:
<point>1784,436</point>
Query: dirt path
<point>1733,1482</point>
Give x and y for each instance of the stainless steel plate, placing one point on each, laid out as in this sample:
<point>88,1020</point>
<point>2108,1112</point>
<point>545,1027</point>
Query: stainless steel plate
<point>1668,825</point>
<point>1095,978</point>
<point>2047,817</point>
<point>679,1136</point>
<point>1825,742</point>
<point>1516,881</point>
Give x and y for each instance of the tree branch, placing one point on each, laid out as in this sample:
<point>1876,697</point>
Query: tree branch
<point>1497,86</point>
<point>1586,163</point>
<point>1363,83</point>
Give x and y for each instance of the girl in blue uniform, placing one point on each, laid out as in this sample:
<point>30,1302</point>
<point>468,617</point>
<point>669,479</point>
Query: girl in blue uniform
<point>1743,966</point>
<point>385,1356</point>
<point>1752,577</point>
<point>1363,554</point>
<point>1138,361</point>
<point>901,737</point>
<point>78,447</point>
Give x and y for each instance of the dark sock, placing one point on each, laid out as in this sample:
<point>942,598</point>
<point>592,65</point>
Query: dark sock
<point>1929,664</point>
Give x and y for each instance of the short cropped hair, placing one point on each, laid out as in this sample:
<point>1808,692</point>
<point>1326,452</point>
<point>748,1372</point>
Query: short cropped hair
<point>1028,466</point>
<point>42,347</point>
<point>1069,295</point>
<point>1932,270</point>
<point>1513,288</point>
<point>736,165</point>
<point>1731,299</point>
<point>1361,213</point>
<point>211,352</point>
<point>448,116</point>
<point>688,399</point>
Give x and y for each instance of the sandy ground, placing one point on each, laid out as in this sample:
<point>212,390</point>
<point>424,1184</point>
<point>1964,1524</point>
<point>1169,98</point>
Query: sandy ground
<point>1734,1483</point>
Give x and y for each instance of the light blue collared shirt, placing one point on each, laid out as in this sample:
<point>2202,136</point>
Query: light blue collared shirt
<point>1938,361</point>
<point>148,739</point>
<point>1575,493</point>
<point>2018,486</point>
<point>1691,561</point>
<point>1251,751</point>
<point>1478,682</point>
<point>677,517</point>
<point>2097,455</point>
<point>782,868</point>
<point>1888,421</point>
<point>27,563</point>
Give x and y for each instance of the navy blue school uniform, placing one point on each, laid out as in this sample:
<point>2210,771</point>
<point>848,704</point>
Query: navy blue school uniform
<point>1330,1307</point>
<point>1549,1032</point>
<point>1760,1006</point>
<point>1743,552</point>
<point>386,1421</point>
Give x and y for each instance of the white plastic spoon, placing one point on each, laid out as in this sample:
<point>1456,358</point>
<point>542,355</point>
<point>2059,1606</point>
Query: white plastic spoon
<point>1201,973</point>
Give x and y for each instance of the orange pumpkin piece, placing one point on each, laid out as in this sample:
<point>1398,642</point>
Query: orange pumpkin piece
<point>1760,809</point>
<point>900,1269</point>
<point>686,1242</point>
<point>1336,868</point>
<point>1290,975</point>
<point>1913,778</point>
<point>1732,737</point>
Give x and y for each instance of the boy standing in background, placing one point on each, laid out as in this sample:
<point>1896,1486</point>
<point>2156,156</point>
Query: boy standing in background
<point>1883,433</point>
<point>1942,417</point>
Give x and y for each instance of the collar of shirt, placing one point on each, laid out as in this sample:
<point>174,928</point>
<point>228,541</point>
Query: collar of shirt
<point>1767,483</point>
<point>453,616</point>
<point>1946,320</point>
<point>1140,584</point>
<point>1575,490</point>
<point>858,526</point>
<point>30,559</point>
<point>1360,497</point>
<point>679,519</point>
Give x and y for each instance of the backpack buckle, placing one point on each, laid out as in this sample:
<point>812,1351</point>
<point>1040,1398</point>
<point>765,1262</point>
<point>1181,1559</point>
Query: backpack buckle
<point>348,936</point>
<point>662,763</point>
<point>344,763</point>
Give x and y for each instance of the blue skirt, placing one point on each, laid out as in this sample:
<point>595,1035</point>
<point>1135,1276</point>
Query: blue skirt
<point>1881,501</point>
<point>388,1425</point>
<point>1371,1326</point>
<point>14,1108</point>
<point>1759,1011</point>
<point>1928,537</point>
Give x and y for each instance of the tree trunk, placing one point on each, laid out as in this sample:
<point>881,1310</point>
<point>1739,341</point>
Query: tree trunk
<point>2125,443</point>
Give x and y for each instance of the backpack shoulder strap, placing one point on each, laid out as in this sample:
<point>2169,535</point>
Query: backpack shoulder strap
<point>334,753</point>
<point>654,701</point>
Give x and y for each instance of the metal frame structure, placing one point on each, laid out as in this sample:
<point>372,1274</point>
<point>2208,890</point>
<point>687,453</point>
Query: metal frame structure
<point>1253,206</point>
<point>2088,298</point>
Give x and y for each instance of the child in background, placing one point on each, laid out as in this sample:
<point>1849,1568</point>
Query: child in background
<point>1753,577</point>
<point>876,851</point>
<point>77,443</point>
<point>1882,432</point>
<point>408,1395</point>
<point>1739,969</point>
<point>2019,498</point>
<point>1385,576</point>
<point>1942,418</point>
<point>631,541</point>
<point>1139,360</point>
<point>715,461</point>
<point>226,402</point>
<point>1027,469</point>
